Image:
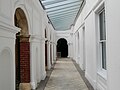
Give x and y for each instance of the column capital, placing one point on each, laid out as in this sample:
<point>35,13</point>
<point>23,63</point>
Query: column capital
<point>35,36</point>
<point>24,38</point>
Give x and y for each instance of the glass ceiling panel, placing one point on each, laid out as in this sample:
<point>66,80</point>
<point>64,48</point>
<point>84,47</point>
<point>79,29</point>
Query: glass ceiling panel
<point>63,10</point>
<point>62,3</point>
<point>49,2</point>
<point>63,7</point>
<point>62,13</point>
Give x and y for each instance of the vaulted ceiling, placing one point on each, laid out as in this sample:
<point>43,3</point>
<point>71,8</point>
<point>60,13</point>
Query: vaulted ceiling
<point>62,13</point>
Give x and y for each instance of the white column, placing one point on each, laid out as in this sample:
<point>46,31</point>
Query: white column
<point>55,52</point>
<point>33,79</point>
<point>43,71</point>
<point>76,48</point>
<point>52,52</point>
<point>77,51</point>
<point>68,49</point>
<point>48,53</point>
<point>71,46</point>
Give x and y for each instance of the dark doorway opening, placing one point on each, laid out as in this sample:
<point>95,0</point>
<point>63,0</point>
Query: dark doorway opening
<point>46,56</point>
<point>62,48</point>
<point>17,60</point>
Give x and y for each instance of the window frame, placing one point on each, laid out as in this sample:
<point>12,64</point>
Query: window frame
<point>102,72</point>
<point>102,41</point>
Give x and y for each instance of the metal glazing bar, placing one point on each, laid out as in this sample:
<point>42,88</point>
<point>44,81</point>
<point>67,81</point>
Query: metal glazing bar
<point>64,10</point>
<point>70,11</point>
<point>64,15</point>
<point>62,5</point>
<point>53,2</point>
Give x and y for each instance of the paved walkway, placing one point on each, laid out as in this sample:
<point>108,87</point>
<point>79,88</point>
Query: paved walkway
<point>65,77</point>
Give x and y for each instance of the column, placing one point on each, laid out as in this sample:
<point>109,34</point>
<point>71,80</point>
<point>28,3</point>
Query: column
<point>48,62</point>
<point>52,52</point>
<point>68,49</point>
<point>43,71</point>
<point>55,52</point>
<point>35,61</point>
<point>24,62</point>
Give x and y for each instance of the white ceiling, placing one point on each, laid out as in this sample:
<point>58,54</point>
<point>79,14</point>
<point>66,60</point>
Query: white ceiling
<point>62,13</point>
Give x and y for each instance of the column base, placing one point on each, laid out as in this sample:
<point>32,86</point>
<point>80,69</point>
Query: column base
<point>43,75</point>
<point>49,67</point>
<point>24,86</point>
<point>33,85</point>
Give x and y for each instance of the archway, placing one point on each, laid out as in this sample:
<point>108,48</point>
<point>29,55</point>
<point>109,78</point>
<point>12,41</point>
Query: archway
<point>22,48</point>
<point>62,48</point>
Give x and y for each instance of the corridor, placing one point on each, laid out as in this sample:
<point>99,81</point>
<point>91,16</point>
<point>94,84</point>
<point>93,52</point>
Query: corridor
<point>65,76</point>
<point>59,45</point>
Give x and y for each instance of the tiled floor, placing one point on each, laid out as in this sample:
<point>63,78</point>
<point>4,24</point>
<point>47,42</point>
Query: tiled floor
<point>65,77</point>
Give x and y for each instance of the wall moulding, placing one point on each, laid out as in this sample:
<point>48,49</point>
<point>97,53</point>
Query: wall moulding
<point>8,31</point>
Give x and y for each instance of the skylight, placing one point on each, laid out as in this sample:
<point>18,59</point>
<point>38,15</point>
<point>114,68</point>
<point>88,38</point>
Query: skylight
<point>62,13</point>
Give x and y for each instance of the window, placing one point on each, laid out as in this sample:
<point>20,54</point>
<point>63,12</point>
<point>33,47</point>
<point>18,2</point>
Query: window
<point>102,41</point>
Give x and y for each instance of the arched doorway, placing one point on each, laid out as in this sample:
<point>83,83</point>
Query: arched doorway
<point>22,49</point>
<point>62,48</point>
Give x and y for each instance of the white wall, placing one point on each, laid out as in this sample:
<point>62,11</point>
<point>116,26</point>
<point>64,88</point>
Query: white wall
<point>99,79</point>
<point>113,43</point>
<point>90,45</point>
<point>62,34</point>
<point>89,63</point>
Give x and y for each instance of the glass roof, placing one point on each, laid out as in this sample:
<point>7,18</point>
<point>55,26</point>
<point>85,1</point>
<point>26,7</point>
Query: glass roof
<point>62,13</point>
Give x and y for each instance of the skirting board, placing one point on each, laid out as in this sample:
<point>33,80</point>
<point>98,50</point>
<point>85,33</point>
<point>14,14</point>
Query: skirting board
<point>92,82</point>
